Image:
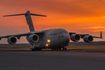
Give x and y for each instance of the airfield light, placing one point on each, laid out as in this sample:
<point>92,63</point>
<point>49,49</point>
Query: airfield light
<point>46,45</point>
<point>48,41</point>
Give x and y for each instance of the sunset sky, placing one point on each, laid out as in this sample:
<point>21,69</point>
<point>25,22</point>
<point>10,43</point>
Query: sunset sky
<point>80,16</point>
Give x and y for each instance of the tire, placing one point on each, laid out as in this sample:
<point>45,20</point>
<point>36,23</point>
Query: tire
<point>60,49</point>
<point>64,48</point>
<point>57,49</point>
<point>54,48</point>
<point>36,49</point>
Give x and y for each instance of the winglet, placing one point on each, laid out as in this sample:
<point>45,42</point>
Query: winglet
<point>101,34</point>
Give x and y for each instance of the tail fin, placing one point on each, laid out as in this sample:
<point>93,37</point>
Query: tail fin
<point>28,18</point>
<point>29,21</point>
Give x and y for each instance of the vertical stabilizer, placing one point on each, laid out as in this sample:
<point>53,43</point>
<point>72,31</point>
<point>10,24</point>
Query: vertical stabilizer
<point>28,18</point>
<point>29,21</point>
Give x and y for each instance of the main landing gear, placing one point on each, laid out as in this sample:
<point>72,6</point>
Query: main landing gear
<point>56,49</point>
<point>36,49</point>
<point>64,49</point>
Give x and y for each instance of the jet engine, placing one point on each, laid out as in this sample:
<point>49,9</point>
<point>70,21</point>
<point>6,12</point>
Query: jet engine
<point>88,38</point>
<point>11,40</point>
<point>33,38</point>
<point>75,37</point>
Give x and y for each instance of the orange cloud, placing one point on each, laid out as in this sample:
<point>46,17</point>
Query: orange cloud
<point>73,15</point>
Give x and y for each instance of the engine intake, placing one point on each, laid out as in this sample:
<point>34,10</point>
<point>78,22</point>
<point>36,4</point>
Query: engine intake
<point>75,37</point>
<point>12,40</point>
<point>88,38</point>
<point>33,38</point>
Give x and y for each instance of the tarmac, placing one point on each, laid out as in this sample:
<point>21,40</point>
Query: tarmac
<point>52,60</point>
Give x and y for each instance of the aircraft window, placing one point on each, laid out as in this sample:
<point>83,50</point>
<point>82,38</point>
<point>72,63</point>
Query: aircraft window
<point>60,33</point>
<point>59,37</point>
<point>65,32</point>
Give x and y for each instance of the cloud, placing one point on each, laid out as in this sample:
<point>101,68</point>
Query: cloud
<point>72,8</point>
<point>73,15</point>
<point>97,28</point>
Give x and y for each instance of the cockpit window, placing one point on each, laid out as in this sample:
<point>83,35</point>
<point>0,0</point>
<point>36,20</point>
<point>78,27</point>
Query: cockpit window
<point>60,33</point>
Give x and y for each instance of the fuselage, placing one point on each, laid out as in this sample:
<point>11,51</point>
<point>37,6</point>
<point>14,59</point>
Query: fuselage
<point>53,38</point>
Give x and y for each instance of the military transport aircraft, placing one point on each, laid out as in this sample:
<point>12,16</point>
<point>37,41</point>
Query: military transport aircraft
<point>54,39</point>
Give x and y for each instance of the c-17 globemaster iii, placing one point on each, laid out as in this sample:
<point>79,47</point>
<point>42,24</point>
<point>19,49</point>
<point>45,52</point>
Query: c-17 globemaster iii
<point>54,39</point>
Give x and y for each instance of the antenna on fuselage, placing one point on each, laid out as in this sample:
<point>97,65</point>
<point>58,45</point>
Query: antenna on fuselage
<point>28,18</point>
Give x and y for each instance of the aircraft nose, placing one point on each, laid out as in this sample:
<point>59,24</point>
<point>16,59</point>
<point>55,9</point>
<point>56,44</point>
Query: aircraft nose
<point>61,40</point>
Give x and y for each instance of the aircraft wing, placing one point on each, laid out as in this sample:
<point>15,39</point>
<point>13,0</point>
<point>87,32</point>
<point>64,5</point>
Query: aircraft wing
<point>19,35</point>
<point>82,35</point>
<point>86,37</point>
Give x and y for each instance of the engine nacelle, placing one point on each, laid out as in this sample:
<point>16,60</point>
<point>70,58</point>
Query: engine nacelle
<point>33,38</point>
<point>11,40</point>
<point>88,38</point>
<point>75,37</point>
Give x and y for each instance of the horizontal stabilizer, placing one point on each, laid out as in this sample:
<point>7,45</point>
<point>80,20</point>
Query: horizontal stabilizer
<point>14,15</point>
<point>25,14</point>
<point>38,15</point>
<point>28,18</point>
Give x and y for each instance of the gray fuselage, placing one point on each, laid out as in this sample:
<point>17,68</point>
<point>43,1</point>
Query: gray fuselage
<point>58,39</point>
